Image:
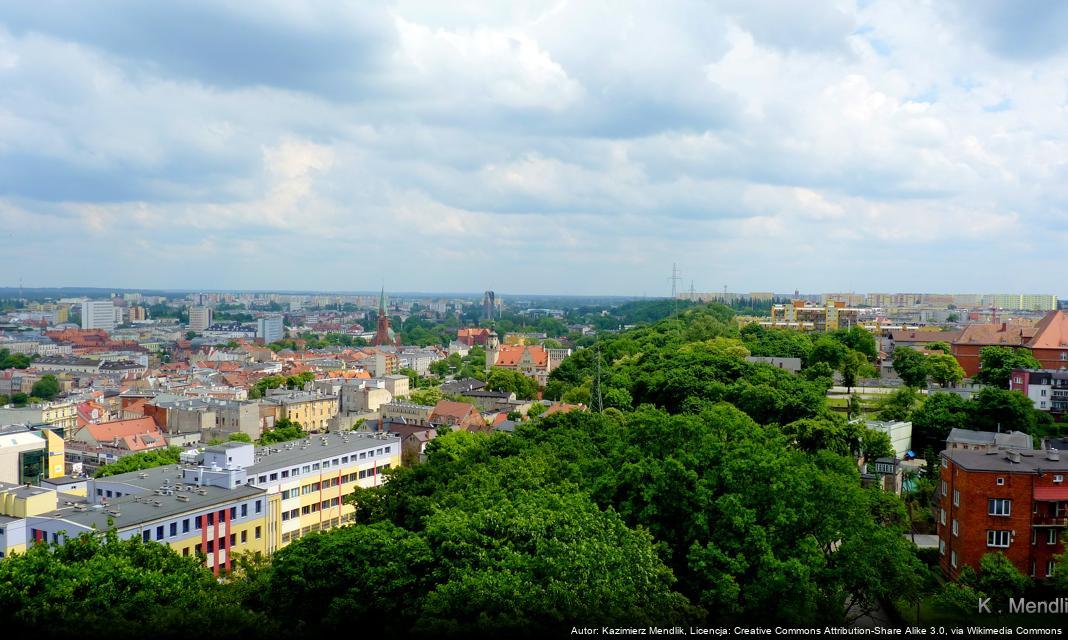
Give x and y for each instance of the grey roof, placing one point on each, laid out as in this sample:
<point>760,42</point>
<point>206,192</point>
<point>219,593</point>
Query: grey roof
<point>1012,440</point>
<point>278,456</point>
<point>22,491</point>
<point>1030,461</point>
<point>138,510</point>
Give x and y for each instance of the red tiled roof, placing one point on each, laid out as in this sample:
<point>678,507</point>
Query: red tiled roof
<point>511,355</point>
<point>1051,332</point>
<point>458,410</point>
<point>131,431</point>
<point>561,407</point>
<point>1002,334</point>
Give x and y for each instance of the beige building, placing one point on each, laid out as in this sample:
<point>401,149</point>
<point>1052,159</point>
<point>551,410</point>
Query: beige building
<point>405,412</point>
<point>61,415</point>
<point>27,457</point>
<point>312,410</point>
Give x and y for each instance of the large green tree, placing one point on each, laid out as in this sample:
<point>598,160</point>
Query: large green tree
<point>46,388</point>
<point>944,369</point>
<point>911,366</point>
<point>96,585</point>
<point>996,364</point>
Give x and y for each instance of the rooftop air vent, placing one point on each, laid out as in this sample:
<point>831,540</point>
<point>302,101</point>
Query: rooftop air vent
<point>1053,455</point>
<point>1013,456</point>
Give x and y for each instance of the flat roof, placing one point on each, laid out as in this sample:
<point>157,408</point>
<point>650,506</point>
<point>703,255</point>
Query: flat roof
<point>1030,461</point>
<point>277,456</point>
<point>21,490</point>
<point>137,510</point>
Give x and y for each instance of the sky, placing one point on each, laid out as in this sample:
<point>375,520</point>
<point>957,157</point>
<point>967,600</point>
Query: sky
<point>569,147</point>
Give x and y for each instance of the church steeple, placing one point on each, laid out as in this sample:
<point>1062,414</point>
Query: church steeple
<point>383,334</point>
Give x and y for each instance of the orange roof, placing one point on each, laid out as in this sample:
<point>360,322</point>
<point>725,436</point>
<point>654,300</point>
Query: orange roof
<point>453,409</point>
<point>1002,334</point>
<point>562,407</point>
<point>477,331</point>
<point>349,374</point>
<point>1051,332</point>
<point>130,431</point>
<point>511,355</point>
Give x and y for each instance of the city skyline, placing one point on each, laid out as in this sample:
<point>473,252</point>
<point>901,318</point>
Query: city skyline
<point>534,146</point>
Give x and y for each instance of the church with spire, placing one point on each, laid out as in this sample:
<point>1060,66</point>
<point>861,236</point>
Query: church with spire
<point>384,335</point>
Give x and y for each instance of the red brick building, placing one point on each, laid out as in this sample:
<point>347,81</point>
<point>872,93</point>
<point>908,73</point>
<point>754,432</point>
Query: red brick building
<point>1047,341</point>
<point>458,414</point>
<point>471,337</point>
<point>1011,502</point>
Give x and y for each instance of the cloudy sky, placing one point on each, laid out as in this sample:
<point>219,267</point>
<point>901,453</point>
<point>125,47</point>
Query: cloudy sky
<point>539,147</point>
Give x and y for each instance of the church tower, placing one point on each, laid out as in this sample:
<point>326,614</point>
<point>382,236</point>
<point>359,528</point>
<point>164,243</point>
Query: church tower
<point>493,348</point>
<point>384,336</point>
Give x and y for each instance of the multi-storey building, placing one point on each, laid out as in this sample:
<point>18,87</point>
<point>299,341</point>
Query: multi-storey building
<point>1047,388</point>
<point>199,318</point>
<point>228,499</point>
<point>1012,502</point>
<point>98,314</point>
<point>312,410</point>
<point>532,361</point>
<point>405,412</point>
<point>62,415</point>
<point>270,329</point>
<point>1021,301</point>
<point>806,316</point>
<point>1047,341</point>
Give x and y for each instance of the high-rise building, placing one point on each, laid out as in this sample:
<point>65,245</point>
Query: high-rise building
<point>98,314</point>
<point>489,305</point>
<point>199,318</point>
<point>270,329</point>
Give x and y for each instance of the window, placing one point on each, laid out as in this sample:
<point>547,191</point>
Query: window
<point>211,519</point>
<point>945,462</point>
<point>953,559</point>
<point>233,539</point>
<point>1058,478</point>
<point>1001,482</point>
<point>1018,380</point>
<point>274,476</point>
<point>1034,536</point>
<point>956,498</point>
<point>999,507</point>
<point>285,516</point>
<point>146,536</point>
<point>306,469</point>
<point>315,466</point>
<point>945,488</point>
<point>257,533</point>
<point>941,547</point>
<point>259,506</point>
<point>955,529</point>
<point>997,538</point>
<point>185,525</point>
<point>233,512</point>
<point>344,459</point>
<point>196,521</point>
<point>244,509</point>
<point>942,516</point>
<point>363,455</point>
<point>174,529</point>
<point>1051,536</point>
<point>211,546</point>
<point>185,551</point>
<point>198,548</point>
<point>285,474</point>
<point>159,532</point>
<point>244,536</point>
<point>1050,567</point>
<point>263,479</point>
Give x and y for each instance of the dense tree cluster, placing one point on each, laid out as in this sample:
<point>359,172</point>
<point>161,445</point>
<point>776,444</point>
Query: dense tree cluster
<point>138,461</point>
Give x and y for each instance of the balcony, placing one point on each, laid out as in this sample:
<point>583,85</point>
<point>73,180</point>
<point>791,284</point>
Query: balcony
<point>1049,521</point>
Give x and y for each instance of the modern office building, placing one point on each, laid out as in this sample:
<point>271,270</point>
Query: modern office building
<point>270,329</point>
<point>98,314</point>
<point>200,318</point>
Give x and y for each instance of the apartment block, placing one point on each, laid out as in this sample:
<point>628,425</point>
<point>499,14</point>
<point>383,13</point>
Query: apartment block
<point>1010,502</point>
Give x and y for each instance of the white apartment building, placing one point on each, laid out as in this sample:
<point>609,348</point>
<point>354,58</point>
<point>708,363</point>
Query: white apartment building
<point>98,314</point>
